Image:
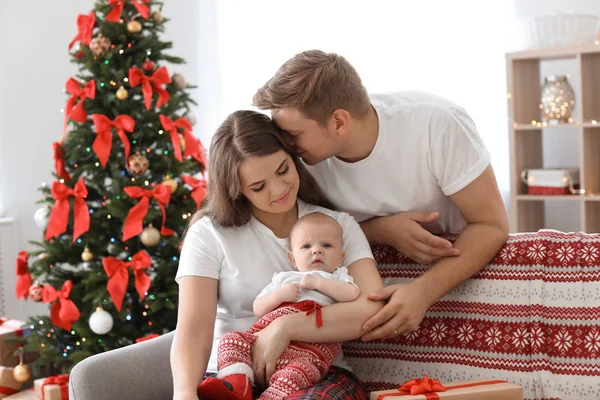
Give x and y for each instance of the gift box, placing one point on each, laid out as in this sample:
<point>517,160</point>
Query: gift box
<point>8,328</point>
<point>8,384</point>
<point>426,388</point>
<point>558,181</point>
<point>23,395</point>
<point>52,388</point>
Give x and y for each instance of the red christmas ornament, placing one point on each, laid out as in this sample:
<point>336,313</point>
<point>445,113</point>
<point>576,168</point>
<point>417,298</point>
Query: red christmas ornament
<point>149,66</point>
<point>35,292</point>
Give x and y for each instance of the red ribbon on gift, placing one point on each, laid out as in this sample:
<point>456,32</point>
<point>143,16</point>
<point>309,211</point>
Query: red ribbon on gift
<point>103,142</point>
<point>430,387</point>
<point>75,110</point>
<point>134,222</point>
<point>63,312</point>
<point>59,162</point>
<point>23,277</point>
<point>60,380</point>
<point>159,77</point>
<point>85,27</point>
<point>147,337</point>
<point>191,144</point>
<point>5,390</point>
<point>118,272</point>
<point>60,212</point>
<point>115,14</point>
<point>198,189</point>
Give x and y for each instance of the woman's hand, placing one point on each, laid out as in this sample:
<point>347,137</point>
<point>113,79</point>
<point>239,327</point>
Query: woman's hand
<point>269,346</point>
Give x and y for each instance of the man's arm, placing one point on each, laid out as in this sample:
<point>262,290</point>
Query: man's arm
<point>482,206</point>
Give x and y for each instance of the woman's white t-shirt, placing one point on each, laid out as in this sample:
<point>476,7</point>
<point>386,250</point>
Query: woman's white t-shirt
<point>243,259</point>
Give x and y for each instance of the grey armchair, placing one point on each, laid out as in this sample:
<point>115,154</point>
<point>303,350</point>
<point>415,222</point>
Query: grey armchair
<point>141,371</point>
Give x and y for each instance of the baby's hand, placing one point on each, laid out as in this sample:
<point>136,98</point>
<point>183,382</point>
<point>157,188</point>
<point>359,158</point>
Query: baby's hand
<point>309,282</point>
<point>290,293</point>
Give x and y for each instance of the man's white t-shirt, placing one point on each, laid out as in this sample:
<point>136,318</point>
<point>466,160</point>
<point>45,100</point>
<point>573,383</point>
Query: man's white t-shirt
<point>280,279</point>
<point>427,149</point>
<point>243,259</point>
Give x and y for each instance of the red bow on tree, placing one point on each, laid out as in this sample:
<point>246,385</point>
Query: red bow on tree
<point>159,77</point>
<point>198,189</point>
<point>77,112</point>
<point>118,273</point>
<point>60,380</point>
<point>23,277</point>
<point>85,26</point>
<point>103,142</point>
<point>134,222</point>
<point>200,155</point>
<point>59,162</point>
<point>63,312</point>
<point>60,212</point>
<point>419,386</point>
<point>191,143</point>
<point>115,14</point>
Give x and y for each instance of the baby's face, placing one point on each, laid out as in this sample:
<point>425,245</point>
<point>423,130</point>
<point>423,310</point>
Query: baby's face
<point>317,246</point>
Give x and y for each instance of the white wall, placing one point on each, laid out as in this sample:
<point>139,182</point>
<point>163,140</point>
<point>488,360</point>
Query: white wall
<point>34,67</point>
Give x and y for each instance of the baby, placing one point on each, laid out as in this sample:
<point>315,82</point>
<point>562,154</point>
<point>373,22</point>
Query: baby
<point>316,243</point>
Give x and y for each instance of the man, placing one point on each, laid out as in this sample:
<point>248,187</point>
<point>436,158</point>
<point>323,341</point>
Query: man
<point>407,166</point>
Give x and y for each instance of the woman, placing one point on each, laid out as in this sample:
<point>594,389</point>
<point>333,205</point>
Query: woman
<point>257,191</point>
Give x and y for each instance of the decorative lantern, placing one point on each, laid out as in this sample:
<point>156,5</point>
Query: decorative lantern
<point>558,100</point>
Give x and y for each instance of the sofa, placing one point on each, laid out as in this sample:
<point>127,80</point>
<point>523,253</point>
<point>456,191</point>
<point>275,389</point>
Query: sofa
<point>531,317</point>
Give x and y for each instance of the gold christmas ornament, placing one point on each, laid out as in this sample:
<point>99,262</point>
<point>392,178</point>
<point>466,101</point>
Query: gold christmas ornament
<point>170,183</point>
<point>150,236</point>
<point>122,93</point>
<point>87,255</point>
<point>100,45</point>
<point>179,81</point>
<point>21,373</point>
<point>157,16</point>
<point>134,27</point>
<point>137,164</point>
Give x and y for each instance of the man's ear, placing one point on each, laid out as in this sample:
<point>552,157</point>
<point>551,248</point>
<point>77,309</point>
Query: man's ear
<point>341,121</point>
<point>290,256</point>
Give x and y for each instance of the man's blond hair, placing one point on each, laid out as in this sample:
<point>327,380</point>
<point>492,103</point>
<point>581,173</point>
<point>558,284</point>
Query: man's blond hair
<point>317,83</point>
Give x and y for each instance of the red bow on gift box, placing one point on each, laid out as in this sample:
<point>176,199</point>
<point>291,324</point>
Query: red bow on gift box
<point>59,162</point>
<point>23,277</point>
<point>60,212</point>
<point>60,380</point>
<point>134,222</point>
<point>115,14</point>
<point>191,143</point>
<point>160,76</point>
<point>118,271</point>
<point>198,189</point>
<point>103,142</point>
<point>63,312</point>
<point>85,27</point>
<point>73,109</point>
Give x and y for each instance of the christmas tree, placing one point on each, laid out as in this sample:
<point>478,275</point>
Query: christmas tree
<point>129,175</point>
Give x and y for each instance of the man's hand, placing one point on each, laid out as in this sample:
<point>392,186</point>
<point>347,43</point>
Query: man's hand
<point>411,239</point>
<point>309,282</point>
<point>269,346</point>
<point>289,293</point>
<point>405,309</point>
